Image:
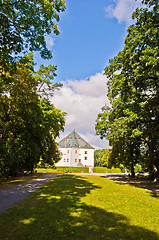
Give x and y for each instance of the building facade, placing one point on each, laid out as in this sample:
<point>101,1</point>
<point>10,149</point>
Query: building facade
<point>75,152</point>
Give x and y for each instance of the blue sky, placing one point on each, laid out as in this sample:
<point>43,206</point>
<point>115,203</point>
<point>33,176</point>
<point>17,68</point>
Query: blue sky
<point>92,32</point>
<point>88,39</point>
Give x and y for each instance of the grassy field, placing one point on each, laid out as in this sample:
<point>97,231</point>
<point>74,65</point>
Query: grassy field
<point>83,207</point>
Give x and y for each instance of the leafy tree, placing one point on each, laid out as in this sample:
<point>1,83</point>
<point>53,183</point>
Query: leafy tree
<point>150,2</point>
<point>97,158</point>
<point>27,127</point>
<point>23,27</point>
<point>53,123</point>
<point>101,157</point>
<point>29,124</point>
<point>105,158</point>
<point>131,125</point>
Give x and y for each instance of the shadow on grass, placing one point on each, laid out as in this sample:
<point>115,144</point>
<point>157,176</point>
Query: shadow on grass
<point>154,191</point>
<point>154,194</point>
<point>55,212</point>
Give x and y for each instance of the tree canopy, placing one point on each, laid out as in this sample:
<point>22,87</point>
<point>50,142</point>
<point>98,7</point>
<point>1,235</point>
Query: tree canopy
<point>25,23</point>
<point>101,158</point>
<point>132,122</point>
<point>29,123</point>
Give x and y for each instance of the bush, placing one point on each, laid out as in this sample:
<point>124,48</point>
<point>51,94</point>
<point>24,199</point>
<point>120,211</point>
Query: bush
<point>106,170</point>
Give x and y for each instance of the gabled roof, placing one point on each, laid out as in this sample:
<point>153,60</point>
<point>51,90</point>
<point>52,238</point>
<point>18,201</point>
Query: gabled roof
<point>74,140</point>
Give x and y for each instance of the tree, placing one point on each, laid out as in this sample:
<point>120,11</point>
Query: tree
<point>23,27</point>
<point>150,2</point>
<point>28,128</point>
<point>29,124</point>
<point>101,157</point>
<point>97,158</point>
<point>133,120</point>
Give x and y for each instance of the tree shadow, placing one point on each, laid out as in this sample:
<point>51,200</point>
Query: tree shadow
<point>153,191</point>
<point>154,194</point>
<point>55,212</point>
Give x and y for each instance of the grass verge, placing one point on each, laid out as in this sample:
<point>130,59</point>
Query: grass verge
<point>18,180</point>
<point>64,170</point>
<point>83,207</point>
<point>78,170</point>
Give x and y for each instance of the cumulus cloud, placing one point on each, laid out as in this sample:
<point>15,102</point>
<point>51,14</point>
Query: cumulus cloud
<point>82,101</point>
<point>122,10</point>
<point>49,41</point>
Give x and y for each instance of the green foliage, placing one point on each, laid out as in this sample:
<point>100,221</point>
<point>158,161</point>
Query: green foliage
<point>101,158</point>
<point>138,168</point>
<point>106,170</point>
<point>97,158</point>
<point>29,124</point>
<point>24,25</point>
<point>132,123</point>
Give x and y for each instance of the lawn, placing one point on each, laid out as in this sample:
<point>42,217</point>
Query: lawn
<point>83,207</point>
<point>78,170</point>
<point>63,170</point>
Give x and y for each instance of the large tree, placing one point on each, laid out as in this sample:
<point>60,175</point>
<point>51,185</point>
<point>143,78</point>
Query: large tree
<point>29,124</point>
<point>132,123</point>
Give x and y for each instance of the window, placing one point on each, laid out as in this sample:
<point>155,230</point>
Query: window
<point>79,160</point>
<point>67,160</point>
<point>85,158</point>
<point>64,160</point>
<point>75,160</point>
<point>67,151</point>
<point>75,151</point>
<point>85,152</point>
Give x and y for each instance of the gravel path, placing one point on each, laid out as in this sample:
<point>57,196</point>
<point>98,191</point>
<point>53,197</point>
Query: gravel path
<point>13,194</point>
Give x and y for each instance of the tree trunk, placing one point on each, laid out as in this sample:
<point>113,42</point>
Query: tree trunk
<point>152,160</point>
<point>132,169</point>
<point>131,160</point>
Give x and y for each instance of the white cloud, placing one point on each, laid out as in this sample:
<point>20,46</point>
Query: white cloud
<point>82,101</point>
<point>122,10</point>
<point>49,41</point>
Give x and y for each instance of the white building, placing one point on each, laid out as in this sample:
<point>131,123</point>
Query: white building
<point>76,152</point>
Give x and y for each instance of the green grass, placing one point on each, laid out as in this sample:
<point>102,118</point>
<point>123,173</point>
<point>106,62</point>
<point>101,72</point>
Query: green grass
<point>83,207</point>
<point>145,180</point>
<point>64,170</point>
<point>18,180</point>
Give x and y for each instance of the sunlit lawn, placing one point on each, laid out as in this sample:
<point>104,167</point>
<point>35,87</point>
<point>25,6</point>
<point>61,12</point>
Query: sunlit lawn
<point>83,207</point>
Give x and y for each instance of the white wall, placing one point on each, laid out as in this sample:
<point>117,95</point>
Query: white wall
<point>72,157</point>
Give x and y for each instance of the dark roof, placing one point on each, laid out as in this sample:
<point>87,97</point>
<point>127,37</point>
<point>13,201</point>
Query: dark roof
<point>74,140</point>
